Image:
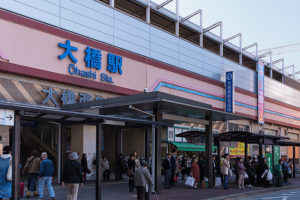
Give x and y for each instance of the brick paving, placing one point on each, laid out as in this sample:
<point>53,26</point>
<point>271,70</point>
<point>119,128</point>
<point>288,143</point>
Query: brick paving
<point>119,191</point>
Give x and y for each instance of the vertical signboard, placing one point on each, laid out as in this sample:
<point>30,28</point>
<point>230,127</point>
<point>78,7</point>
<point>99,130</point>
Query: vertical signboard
<point>229,92</point>
<point>260,91</point>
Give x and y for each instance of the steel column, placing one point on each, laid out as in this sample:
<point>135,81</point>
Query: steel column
<point>63,151</point>
<point>273,162</point>
<point>208,149</point>
<point>294,155</point>
<point>147,144</point>
<point>16,156</point>
<point>99,135</point>
<point>118,151</point>
<point>157,156</point>
<point>246,150</point>
<point>148,9</point>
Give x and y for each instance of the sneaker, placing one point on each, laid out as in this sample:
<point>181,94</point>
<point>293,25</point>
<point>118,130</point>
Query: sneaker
<point>250,186</point>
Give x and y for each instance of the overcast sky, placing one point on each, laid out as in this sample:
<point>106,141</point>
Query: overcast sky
<point>271,23</point>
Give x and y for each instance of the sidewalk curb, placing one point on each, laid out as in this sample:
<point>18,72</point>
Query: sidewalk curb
<point>258,191</point>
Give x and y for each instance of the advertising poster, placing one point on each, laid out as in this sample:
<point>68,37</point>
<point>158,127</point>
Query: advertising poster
<point>229,92</point>
<point>260,91</point>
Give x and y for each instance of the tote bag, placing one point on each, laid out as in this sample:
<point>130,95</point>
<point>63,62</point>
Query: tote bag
<point>190,181</point>
<point>9,171</point>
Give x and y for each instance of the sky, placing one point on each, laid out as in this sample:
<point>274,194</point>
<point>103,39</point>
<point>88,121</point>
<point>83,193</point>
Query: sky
<point>270,23</point>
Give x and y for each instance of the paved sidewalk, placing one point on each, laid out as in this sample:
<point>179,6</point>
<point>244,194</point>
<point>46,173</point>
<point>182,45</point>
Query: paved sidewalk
<point>119,191</point>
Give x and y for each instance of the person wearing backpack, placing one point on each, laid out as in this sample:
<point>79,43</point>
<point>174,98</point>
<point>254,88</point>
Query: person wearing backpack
<point>72,176</point>
<point>32,168</point>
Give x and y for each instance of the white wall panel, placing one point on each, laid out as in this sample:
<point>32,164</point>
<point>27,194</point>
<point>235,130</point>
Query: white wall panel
<point>131,47</point>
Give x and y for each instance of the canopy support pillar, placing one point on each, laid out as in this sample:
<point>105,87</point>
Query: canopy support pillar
<point>157,156</point>
<point>99,135</point>
<point>294,155</point>
<point>118,151</point>
<point>16,140</point>
<point>208,149</point>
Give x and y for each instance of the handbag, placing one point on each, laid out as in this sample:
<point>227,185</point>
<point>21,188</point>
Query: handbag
<point>246,175</point>
<point>9,171</point>
<point>190,181</point>
<point>229,172</point>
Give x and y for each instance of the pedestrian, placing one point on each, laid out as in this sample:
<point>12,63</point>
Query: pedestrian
<point>32,168</point>
<point>130,172</point>
<point>5,169</point>
<point>183,168</point>
<point>105,168</point>
<point>290,169</point>
<point>84,166</point>
<point>178,169</point>
<point>201,163</point>
<point>195,172</point>
<point>241,170</point>
<point>136,159</point>
<point>250,171</point>
<point>278,173</point>
<point>72,176</point>
<point>236,170</point>
<point>142,180</point>
<point>173,167</point>
<point>225,167</point>
<point>167,168</point>
<point>215,170</point>
<point>264,173</point>
<point>45,176</point>
<point>285,169</point>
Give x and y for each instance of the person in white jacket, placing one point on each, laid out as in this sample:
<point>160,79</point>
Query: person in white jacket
<point>225,169</point>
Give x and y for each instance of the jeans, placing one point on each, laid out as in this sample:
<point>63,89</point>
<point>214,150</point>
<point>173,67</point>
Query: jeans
<point>32,179</point>
<point>48,182</point>
<point>225,181</point>
<point>72,191</point>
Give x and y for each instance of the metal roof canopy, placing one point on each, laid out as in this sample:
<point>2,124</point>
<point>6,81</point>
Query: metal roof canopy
<point>288,143</point>
<point>38,112</point>
<point>174,109</point>
<point>238,136</point>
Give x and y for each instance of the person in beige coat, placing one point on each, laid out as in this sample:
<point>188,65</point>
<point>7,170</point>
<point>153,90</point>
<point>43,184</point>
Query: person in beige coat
<point>225,167</point>
<point>32,168</point>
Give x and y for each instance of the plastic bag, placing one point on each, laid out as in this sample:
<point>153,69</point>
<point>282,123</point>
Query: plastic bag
<point>269,176</point>
<point>190,181</point>
<point>246,175</point>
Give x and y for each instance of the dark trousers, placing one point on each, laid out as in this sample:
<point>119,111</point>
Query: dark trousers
<point>285,176</point>
<point>172,177</point>
<point>32,179</point>
<point>167,179</point>
<point>141,192</point>
<point>106,175</point>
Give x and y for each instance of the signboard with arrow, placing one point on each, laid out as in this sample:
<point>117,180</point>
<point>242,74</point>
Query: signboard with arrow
<point>7,117</point>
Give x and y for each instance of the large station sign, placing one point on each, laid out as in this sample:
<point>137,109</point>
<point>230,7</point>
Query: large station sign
<point>93,63</point>
<point>260,91</point>
<point>229,92</point>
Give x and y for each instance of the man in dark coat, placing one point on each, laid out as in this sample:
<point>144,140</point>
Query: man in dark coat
<point>167,168</point>
<point>72,176</point>
<point>173,167</point>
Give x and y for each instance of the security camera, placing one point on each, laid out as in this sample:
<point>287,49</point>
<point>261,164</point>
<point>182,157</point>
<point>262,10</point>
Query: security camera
<point>146,90</point>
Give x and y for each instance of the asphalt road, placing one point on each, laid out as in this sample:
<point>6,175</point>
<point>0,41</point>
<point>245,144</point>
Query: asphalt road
<point>293,194</point>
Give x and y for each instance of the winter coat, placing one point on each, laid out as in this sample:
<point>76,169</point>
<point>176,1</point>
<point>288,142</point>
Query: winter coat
<point>32,165</point>
<point>72,172</point>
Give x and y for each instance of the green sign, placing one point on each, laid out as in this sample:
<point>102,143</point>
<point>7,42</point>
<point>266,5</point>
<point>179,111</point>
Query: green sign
<point>276,157</point>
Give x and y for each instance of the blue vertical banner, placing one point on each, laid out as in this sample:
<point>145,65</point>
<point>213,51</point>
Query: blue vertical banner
<point>229,92</point>
<point>260,91</point>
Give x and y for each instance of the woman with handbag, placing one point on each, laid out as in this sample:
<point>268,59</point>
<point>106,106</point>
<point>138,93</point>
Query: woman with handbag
<point>5,173</point>
<point>195,172</point>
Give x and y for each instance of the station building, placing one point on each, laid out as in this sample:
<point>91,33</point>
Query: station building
<point>62,52</point>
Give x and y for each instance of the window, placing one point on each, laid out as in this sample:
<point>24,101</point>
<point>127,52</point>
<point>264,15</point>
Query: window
<point>238,127</point>
<point>271,132</point>
<point>293,136</point>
